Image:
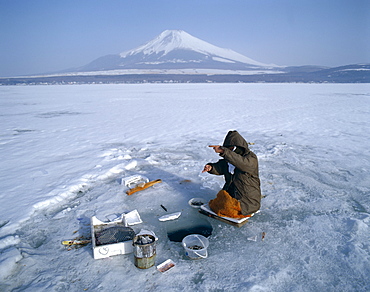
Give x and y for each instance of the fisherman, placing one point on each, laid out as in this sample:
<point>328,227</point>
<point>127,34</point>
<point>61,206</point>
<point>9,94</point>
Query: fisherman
<point>241,194</point>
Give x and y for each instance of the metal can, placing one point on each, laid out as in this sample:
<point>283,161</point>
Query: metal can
<point>144,251</point>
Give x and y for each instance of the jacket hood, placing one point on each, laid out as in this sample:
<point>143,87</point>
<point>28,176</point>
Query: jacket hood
<point>233,138</point>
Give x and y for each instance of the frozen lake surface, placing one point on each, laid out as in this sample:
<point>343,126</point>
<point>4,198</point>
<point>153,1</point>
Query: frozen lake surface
<point>64,148</point>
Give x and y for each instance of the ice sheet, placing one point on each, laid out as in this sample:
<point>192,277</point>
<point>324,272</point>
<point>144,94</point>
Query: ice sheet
<point>64,148</point>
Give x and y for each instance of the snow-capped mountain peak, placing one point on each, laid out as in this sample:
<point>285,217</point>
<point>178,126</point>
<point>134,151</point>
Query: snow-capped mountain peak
<point>167,41</point>
<point>172,40</point>
<point>177,49</point>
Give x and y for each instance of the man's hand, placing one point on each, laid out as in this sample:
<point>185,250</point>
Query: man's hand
<point>207,168</point>
<point>217,148</point>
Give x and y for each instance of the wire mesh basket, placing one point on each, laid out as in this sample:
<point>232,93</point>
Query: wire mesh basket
<point>114,234</point>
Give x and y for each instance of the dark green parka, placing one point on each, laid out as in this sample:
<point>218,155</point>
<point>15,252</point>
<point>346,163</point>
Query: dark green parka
<point>244,183</point>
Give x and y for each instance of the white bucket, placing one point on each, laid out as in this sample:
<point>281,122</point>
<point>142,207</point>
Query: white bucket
<point>195,246</point>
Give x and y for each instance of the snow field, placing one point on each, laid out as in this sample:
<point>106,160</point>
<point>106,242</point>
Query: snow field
<point>64,148</point>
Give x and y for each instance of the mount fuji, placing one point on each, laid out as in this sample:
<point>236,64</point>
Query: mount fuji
<point>176,49</point>
<point>176,56</point>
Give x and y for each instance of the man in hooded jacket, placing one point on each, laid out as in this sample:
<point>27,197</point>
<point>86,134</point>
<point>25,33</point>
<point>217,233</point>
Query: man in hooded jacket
<point>239,166</point>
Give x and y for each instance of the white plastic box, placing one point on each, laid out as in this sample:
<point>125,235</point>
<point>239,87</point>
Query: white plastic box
<point>107,250</point>
<point>132,180</point>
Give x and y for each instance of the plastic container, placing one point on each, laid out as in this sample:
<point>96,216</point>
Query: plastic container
<point>166,266</point>
<point>119,243</point>
<point>133,180</point>
<point>196,202</point>
<point>132,218</point>
<point>195,246</point>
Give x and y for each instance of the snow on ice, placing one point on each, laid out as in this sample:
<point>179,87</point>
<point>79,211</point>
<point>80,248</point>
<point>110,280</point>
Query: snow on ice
<point>64,150</point>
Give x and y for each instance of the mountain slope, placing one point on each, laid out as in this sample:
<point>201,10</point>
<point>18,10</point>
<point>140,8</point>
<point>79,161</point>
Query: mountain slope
<point>176,49</point>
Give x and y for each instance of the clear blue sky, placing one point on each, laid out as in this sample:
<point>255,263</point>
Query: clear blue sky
<point>38,36</point>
